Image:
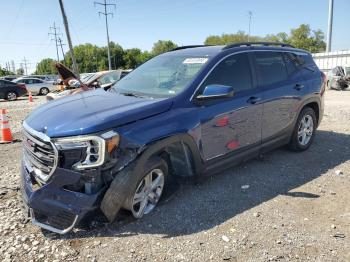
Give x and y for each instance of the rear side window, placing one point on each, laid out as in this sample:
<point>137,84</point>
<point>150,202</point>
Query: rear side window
<point>271,68</point>
<point>291,62</point>
<point>233,71</point>
<point>37,81</point>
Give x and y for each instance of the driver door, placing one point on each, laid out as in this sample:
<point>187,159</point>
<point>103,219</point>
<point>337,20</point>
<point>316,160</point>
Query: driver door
<point>232,124</point>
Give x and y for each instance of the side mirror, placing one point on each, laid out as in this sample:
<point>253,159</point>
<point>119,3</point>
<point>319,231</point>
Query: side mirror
<point>216,91</point>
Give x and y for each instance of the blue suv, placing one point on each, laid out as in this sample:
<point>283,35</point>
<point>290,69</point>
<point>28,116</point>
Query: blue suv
<point>195,110</point>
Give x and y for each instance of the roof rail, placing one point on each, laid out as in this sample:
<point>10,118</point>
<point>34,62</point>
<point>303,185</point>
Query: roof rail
<point>187,46</point>
<point>257,43</point>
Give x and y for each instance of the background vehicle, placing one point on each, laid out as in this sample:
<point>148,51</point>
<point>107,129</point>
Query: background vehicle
<point>9,78</point>
<point>10,91</point>
<point>339,78</point>
<point>193,111</point>
<point>47,78</point>
<point>103,79</point>
<point>36,86</point>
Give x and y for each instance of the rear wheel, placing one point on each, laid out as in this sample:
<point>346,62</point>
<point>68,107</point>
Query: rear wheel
<point>11,96</point>
<point>44,91</point>
<point>304,130</point>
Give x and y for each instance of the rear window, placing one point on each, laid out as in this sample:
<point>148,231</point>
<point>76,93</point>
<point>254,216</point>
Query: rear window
<point>271,68</point>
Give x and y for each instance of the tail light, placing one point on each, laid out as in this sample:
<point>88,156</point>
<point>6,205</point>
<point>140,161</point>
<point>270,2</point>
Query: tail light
<point>23,86</point>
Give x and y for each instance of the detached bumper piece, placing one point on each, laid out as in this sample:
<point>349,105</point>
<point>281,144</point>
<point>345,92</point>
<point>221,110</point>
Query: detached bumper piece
<point>53,207</point>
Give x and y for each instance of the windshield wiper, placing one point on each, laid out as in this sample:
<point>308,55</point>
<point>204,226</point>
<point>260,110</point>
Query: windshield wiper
<point>131,94</point>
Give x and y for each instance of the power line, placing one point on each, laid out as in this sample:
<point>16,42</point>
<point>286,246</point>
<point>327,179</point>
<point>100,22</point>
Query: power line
<point>106,14</point>
<point>55,34</point>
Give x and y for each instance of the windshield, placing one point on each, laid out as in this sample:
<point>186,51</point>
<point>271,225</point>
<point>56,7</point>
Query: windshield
<point>162,76</point>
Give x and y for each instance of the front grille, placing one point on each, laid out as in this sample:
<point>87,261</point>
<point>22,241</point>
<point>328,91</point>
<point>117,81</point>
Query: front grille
<point>41,156</point>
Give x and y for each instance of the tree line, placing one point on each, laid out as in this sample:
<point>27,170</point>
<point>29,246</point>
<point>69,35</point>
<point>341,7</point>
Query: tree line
<point>92,58</point>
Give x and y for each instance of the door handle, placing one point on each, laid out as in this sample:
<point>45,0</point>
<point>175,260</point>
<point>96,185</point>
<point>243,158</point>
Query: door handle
<point>253,100</point>
<point>299,86</point>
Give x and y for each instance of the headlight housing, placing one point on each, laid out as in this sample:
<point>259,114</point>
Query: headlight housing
<point>93,148</point>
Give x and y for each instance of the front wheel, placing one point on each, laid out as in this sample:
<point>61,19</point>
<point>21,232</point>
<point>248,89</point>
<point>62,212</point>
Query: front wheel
<point>149,189</point>
<point>304,130</point>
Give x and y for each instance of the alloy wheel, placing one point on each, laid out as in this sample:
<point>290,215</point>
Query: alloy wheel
<point>306,129</point>
<point>11,96</point>
<point>148,193</point>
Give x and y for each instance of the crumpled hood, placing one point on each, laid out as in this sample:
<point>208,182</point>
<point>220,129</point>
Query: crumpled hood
<point>92,111</point>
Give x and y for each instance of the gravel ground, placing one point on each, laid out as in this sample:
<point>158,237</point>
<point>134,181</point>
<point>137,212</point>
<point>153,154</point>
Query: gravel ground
<point>285,207</point>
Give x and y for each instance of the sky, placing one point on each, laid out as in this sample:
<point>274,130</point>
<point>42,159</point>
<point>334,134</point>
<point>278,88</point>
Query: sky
<point>25,24</point>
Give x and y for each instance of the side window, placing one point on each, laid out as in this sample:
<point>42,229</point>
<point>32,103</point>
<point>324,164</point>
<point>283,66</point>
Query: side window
<point>37,81</point>
<point>291,61</point>
<point>233,71</point>
<point>29,81</point>
<point>1,83</point>
<point>271,68</point>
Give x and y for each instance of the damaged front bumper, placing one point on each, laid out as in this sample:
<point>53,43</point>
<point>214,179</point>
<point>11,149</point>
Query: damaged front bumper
<point>52,206</point>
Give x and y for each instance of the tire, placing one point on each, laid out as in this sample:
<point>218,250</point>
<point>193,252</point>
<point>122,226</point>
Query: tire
<point>302,138</point>
<point>124,186</point>
<point>11,96</point>
<point>44,91</point>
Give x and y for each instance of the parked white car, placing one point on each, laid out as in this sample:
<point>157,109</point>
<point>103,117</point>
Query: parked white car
<point>36,86</point>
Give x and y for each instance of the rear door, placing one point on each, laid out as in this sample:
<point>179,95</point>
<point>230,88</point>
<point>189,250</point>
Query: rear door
<point>283,87</point>
<point>231,125</point>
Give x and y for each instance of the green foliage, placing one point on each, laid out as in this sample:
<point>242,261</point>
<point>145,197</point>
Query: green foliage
<point>45,66</point>
<point>305,38</point>
<point>91,58</point>
<point>302,37</point>
<point>20,71</point>
<point>162,46</point>
<point>5,72</point>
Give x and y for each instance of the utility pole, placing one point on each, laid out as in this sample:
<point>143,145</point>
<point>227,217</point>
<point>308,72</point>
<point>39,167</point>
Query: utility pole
<point>13,66</point>
<point>60,43</point>
<point>65,21</point>
<point>25,62</point>
<point>250,22</point>
<point>105,4</point>
<point>330,26</point>
<point>55,34</point>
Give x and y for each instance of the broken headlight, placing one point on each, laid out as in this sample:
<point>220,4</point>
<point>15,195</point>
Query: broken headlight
<point>83,152</point>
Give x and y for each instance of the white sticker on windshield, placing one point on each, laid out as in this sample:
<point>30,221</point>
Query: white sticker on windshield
<point>195,60</point>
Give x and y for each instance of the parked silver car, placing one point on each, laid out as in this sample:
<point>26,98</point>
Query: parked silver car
<point>36,86</point>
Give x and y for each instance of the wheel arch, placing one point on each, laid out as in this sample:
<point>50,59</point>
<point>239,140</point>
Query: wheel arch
<point>313,104</point>
<point>179,151</point>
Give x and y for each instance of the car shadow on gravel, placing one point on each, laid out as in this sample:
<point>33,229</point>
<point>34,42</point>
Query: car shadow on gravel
<point>197,208</point>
